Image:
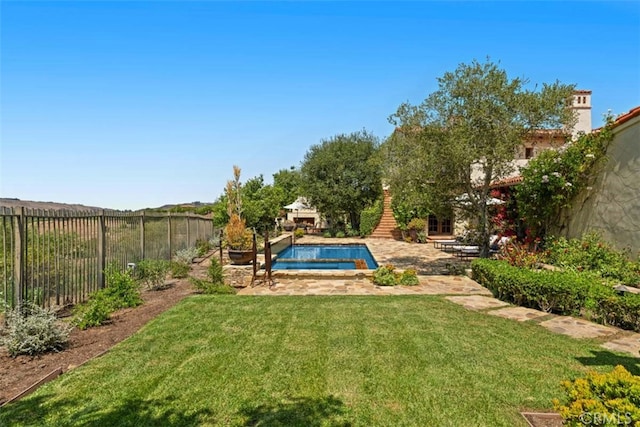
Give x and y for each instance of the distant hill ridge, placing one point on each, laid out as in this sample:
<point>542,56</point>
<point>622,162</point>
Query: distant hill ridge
<point>55,206</point>
<point>17,203</point>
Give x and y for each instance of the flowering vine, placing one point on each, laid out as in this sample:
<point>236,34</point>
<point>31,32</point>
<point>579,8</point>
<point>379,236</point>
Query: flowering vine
<point>554,178</point>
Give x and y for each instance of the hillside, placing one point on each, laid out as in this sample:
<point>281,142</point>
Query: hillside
<point>16,203</point>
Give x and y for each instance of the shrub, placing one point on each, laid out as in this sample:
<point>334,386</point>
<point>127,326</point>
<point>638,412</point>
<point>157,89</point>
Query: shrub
<point>207,287</point>
<point>238,236</point>
<point>592,253</point>
<point>519,255</point>
<point>370,217</point>
<point>385,276</point>
<point>298,233</point>
<point>326,234</point>
<point>186,255</point>
<point>33,330</point>
<point>562,292</point>
<point>202,246</point>
<point>340,234</point>
<point>121,288</point>
<point>557,292</point>
<point>95,312</point>
<point>121,291</point>
<point>622,311</point>
<point>152,273</point>
<point>179,270</point>
<point>417,224</point>
<point>352,232</point>
<point>612,398</point>
<point>409,277</point>
<point>214,272</point>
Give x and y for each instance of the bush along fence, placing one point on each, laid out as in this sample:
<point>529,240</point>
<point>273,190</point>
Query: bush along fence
<point>566,293</point>
<point>57,258</point>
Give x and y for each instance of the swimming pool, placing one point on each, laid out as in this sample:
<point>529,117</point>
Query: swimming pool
<point>325,257</point>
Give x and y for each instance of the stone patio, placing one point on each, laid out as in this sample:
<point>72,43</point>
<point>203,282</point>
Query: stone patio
<point>577,328</point>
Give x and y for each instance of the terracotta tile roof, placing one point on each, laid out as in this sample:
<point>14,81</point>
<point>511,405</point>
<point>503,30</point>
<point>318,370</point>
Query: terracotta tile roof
<point>507,182</point>
<point>634,112</point>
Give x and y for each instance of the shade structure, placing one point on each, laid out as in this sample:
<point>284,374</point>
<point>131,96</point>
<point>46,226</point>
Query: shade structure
<point>300,203</point>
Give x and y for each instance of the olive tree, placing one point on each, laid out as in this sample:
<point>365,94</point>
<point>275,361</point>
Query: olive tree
<point>465,135</point>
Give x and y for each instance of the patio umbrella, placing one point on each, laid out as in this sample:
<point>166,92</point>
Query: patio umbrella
<point>300,203</point>
<point>464,200</point>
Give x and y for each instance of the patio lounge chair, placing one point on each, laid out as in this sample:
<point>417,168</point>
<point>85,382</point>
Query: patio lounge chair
<point>438,244</point>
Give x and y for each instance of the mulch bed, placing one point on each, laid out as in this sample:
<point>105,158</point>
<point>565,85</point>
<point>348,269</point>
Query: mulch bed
<point>18,374</point>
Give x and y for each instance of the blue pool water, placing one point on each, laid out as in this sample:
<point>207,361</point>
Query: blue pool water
<point>323,257</point>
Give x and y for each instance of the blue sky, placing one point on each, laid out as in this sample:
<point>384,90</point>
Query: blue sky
<point>128,105</point>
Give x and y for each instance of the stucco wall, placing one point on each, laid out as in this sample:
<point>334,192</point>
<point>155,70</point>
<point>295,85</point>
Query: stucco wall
<point>612,206</point>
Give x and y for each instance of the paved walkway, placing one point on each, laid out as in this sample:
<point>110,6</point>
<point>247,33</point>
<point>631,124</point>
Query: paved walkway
<point>433,267</point>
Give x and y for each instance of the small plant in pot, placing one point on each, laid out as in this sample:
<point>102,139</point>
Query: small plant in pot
<point>239,239</point>
<point>416,229</point>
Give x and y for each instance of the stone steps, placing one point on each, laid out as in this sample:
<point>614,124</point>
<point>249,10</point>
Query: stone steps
<point>387,228</point>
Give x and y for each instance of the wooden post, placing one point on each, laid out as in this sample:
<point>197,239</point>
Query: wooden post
<point>267,257</point>
<point>169,234</point>
<point>142,242</point>
<point>102,249</point>
<point>18,256</point>
<point>186,218</point>
<point>254,249</point>
<point>220,247</point>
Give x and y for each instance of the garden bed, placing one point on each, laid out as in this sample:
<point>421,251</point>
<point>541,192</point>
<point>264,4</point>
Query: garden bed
<point>18,374</point>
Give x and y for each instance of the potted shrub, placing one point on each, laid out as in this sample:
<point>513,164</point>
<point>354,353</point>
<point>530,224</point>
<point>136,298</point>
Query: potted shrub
<point>416,226</point>
<point>239,239</point>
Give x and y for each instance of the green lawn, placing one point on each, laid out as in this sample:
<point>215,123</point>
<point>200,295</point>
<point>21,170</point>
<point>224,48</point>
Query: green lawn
<point>311,361</point>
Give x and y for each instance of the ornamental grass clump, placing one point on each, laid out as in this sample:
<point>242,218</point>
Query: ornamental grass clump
<point>237,235</point>
<point>33,330</point>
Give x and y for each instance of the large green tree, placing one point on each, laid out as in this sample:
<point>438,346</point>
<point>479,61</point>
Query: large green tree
<point>261,203</point>
<point>465,135</point>
<point>342,175</point>
<point>290,181</point>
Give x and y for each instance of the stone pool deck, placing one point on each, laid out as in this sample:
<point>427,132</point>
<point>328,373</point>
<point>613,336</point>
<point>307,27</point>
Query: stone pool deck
<point>433,266</point>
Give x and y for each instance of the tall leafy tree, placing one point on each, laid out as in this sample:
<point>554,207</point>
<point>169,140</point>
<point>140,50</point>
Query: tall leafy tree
<point>290,181</point>
<point>261,203</point>
<point>465,135</point>
<point>342,175</point>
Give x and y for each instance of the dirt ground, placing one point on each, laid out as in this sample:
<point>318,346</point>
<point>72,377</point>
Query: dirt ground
<point>17,374</point>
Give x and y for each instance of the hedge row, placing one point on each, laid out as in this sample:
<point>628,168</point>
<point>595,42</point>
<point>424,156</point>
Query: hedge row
<point>566,293</point>
<point>370,217</point>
